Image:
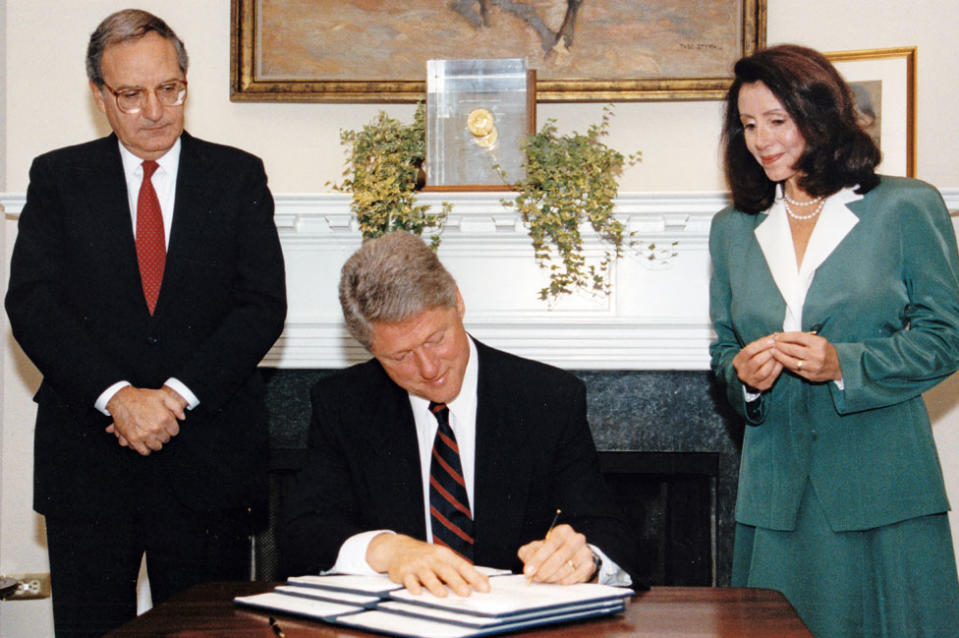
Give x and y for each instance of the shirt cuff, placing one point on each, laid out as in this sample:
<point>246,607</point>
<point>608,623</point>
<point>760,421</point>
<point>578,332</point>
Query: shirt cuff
<point>609,572</point>
<point>839,384</point>
<point>352,556</point>
<point>106,395</point>
<point>750,396</point>
<point>191,399</point>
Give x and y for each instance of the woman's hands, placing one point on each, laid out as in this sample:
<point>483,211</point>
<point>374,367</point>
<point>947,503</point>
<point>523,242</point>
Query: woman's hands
<point>806,354</point>
<point>756,365</point>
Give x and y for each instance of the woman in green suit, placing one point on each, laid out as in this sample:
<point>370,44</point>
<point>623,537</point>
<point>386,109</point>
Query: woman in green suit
<point>835,301</point>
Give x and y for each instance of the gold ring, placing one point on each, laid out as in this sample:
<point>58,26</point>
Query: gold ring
<point>799,365</point>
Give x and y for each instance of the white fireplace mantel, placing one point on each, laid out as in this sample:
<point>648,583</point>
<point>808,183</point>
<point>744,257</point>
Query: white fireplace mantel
<point>656,317</point>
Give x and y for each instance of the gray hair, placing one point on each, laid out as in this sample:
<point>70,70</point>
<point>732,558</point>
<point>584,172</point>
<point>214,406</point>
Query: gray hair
<point>391,279</point>
<point>125,25</point>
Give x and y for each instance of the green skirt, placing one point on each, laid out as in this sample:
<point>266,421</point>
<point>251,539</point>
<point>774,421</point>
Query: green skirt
<point>896,581</point>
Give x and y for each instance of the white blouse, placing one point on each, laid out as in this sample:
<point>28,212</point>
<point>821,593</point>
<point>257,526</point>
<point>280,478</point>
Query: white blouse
<point>775,240</point>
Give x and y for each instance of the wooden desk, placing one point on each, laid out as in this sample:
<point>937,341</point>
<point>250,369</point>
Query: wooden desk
<point>207,611</point>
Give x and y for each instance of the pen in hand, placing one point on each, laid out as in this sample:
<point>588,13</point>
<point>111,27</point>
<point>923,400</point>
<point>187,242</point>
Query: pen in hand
<point>553,524</point>
<point>276,628</point>
<point>529,578</point>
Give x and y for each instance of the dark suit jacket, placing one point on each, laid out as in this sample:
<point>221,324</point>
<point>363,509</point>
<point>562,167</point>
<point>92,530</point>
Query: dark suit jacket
<point>534,453</point>
<point>76,307</point>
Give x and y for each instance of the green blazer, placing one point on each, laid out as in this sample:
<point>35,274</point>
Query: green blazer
<point>886,295</point>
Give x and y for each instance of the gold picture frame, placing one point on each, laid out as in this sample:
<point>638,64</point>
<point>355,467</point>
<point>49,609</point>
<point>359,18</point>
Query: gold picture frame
<point>887,78</point>
<point>272,61</point>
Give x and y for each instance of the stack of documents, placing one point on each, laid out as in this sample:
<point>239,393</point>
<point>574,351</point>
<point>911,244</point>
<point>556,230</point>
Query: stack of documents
<point>374,603</point>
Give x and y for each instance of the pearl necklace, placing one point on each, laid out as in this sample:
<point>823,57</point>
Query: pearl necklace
<point>795,203</point>
<point>818,210</point>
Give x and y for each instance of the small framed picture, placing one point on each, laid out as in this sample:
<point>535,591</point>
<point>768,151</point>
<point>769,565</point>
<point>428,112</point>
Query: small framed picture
<point>884,84</point>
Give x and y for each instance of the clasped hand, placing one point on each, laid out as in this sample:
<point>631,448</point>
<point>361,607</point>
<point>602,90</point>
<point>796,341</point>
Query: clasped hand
<point>562,557</point>
<point>146,419</point>
<point>805,354</point>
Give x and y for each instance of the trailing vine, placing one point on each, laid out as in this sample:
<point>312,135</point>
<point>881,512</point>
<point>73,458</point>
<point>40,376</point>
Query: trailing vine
<point>383,174</point>
<point>570,180</point>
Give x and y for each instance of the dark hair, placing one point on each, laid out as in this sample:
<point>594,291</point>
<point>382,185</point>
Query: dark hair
<point>125,25</point>
<point>390,279</point>
<point>838,154</point>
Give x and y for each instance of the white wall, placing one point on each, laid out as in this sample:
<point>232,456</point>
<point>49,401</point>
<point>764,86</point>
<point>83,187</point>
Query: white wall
<point>46,104</point>
<point>3,267</point>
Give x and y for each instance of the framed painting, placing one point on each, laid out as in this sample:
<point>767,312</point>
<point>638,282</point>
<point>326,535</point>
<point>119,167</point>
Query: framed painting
<point>884,84</point>
<point>581,50</point>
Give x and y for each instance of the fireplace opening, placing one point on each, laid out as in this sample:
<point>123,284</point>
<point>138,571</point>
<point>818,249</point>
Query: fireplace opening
<point>670,500</point>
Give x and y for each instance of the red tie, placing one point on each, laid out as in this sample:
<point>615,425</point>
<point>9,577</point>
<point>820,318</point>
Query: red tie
<point>151,247</point>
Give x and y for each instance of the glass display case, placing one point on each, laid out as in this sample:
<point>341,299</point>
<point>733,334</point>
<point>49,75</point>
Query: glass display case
<point>478,113</point>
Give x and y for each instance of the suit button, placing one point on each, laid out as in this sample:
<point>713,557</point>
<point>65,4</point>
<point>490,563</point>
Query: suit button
<point>152,340</point>
<point>815,435</point>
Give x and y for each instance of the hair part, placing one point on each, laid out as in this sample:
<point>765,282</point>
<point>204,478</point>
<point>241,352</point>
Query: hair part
<point>123,26</point>
<point>838,154</point>
<point>391,279</point>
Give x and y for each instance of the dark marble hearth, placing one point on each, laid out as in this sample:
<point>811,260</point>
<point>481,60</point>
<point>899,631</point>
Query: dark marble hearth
<point>644,411</point>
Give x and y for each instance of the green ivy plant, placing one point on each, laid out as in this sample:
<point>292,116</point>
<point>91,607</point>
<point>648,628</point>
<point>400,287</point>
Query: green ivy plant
<point>570,180</point>
<point>383,174</point>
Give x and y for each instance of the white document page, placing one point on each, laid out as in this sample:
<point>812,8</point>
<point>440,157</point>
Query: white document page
<point>514,594</point>
<point>310,607</point>
<point>472,620</point>
<point>332,595</point>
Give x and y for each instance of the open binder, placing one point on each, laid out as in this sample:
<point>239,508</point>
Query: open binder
<point>374,603</point>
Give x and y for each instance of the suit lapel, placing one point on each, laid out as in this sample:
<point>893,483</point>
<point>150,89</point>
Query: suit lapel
<point>395,465</point>
<point>775,240</point>
<point>193,210</point>
<point>103,184</point>
<point>835,223</point>
<point>501,478</point>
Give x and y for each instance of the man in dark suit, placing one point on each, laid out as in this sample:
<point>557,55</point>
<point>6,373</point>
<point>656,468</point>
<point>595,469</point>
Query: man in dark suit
<point>146,284</point>
<point>382,431</point>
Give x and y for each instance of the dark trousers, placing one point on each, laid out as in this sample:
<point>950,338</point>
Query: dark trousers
<point>94,561</point>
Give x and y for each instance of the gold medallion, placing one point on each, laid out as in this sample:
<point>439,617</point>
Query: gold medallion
<point>480,122</point>
<point>489,140</point>
<point>482,125</point>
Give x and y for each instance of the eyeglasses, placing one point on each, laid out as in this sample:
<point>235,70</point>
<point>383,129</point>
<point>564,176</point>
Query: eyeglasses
<point>132,100</point>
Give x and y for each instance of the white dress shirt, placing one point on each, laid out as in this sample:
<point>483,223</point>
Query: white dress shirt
<point>164,183</point>
<point>352,555</point>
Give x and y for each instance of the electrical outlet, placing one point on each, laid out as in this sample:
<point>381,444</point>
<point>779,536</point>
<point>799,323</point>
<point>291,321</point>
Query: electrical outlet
<point>32,586</point>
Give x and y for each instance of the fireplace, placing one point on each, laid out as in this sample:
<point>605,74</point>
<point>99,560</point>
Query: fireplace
<point>642,352</point>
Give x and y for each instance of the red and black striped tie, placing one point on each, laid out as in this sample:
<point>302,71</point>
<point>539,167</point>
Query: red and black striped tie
<point>450,515</point>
